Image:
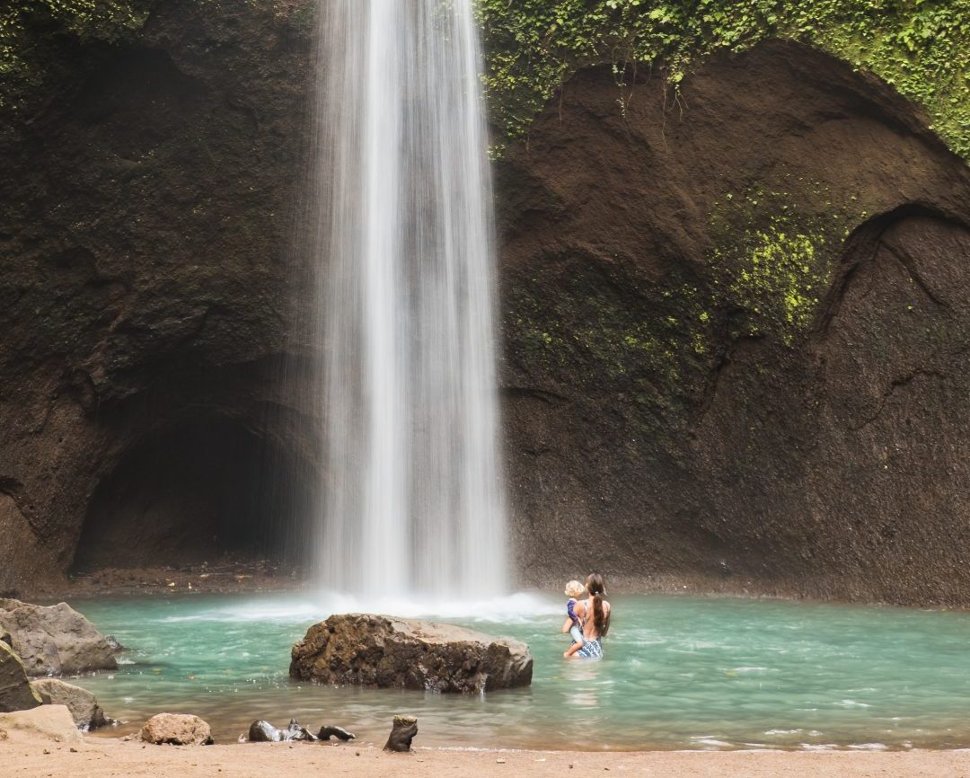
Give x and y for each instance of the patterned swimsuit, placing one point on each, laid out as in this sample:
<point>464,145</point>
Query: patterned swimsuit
<point>592,647</point>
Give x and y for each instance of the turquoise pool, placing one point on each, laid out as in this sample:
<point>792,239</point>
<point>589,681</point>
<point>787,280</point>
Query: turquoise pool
<point>680,673</point>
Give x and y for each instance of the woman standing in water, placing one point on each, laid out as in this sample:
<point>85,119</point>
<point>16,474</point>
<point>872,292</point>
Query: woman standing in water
<point>594,614</point>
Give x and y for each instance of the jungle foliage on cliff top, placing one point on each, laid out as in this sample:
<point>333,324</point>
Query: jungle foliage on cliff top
<point>29,27</point>
<point>918,46</point>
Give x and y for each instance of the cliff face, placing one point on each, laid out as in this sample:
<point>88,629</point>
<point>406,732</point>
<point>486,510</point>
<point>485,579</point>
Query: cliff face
<point>146,214</point>
<point>734,320</point>
<point>736,333</point>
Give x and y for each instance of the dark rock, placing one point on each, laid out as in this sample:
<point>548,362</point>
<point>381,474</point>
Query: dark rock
<point>403,731</point>
<point>126,348</point>
<point>177,729</point>
<point>367,650</point>
<point>15,690</point>
<point>82,704</point>
<point>264,732</point>
<point>55,639</point>
<point>669,417</point>
<point>328,731</point>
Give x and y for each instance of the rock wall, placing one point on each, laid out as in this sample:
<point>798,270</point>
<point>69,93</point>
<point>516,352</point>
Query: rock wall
<point>146,212</point>
<point>735,334</point>
<point>733,319</point>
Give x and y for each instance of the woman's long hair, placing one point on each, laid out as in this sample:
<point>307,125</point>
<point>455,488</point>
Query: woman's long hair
<point>597,588</point>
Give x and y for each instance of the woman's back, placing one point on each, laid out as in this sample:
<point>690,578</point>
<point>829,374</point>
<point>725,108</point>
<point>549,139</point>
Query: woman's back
<point>592,630</point>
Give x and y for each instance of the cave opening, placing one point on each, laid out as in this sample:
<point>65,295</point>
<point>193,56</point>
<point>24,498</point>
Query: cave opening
<point>206,490</point>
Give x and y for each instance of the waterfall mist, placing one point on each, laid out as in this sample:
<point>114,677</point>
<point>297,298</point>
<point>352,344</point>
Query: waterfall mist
<point>411,497</point>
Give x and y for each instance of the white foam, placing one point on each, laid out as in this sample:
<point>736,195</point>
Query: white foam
<point>521,607</point>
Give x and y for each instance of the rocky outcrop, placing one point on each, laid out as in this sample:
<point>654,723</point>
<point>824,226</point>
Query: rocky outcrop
<point>82,704</point>
<point>366,650</point>
<point>55,639</point>
<point>176,729</point>
<point>15,689</point>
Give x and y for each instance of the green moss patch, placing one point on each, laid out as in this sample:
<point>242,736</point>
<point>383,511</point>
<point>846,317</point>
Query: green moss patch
<point>773,256</point>
<point>918,46</point>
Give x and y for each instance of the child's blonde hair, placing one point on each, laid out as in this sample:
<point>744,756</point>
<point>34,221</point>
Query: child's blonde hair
<point>574,589</point>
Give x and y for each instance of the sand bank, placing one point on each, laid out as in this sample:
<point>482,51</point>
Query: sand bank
<point>23,756</point>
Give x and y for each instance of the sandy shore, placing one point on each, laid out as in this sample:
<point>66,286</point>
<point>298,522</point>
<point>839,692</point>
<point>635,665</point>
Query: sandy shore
<point>111,757</point>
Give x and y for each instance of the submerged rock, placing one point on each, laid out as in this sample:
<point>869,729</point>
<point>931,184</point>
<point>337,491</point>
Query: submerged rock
<point>55,639</point>
<point>367,650</point>
<point>176,729</point>
<point>15,690</point>
<point>82,704</point>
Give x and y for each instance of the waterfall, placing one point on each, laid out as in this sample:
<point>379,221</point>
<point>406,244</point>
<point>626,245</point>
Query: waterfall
<point>411,497</point>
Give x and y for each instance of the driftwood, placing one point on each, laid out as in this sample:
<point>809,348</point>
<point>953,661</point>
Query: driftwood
<point>329,730</point>
<point>402,733</point>
<point>264,732</point>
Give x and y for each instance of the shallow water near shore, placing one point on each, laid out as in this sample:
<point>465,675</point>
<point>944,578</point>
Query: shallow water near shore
<point>679,673</point>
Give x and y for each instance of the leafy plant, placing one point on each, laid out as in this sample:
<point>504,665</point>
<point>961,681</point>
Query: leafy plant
<point>918,46</point>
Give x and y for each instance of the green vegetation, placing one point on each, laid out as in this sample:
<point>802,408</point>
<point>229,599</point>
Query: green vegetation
<point>27,27</point>
<point>919,46</point>
<point>773,258</point>
<point>607,330</point>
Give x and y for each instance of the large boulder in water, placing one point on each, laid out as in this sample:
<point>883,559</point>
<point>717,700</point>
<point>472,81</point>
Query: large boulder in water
<point>55,639</point>
<point>15,690</point>
<point>368,650</point>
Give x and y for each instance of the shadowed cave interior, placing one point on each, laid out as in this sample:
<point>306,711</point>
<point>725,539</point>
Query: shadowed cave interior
<point>203,490</point>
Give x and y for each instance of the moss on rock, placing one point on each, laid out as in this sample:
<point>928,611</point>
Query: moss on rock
<point>918,46</point>
<point>774,254</point>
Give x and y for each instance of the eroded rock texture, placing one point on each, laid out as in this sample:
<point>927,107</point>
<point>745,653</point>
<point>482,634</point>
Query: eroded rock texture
<point>365,650</point>
<point>146,212</point>
<point>678,402</point>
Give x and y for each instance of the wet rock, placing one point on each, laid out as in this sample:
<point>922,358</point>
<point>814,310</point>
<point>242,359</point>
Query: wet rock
<point>328,731</point>
<point>402,733</point>
<point>48,722</point>
<point>82,704</point>
<point>368,650</point>
<point>177,729</point>
<point>264,732</point>
<point>15,691</point>
<point>55,639</point>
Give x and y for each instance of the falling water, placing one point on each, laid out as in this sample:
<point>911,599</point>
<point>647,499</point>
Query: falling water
<point>412,498</point>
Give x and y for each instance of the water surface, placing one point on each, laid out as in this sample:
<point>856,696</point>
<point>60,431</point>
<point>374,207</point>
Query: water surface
<point>679,672</point>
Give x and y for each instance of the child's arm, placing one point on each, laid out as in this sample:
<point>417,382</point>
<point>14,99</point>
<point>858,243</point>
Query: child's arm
<point>567,624</point>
